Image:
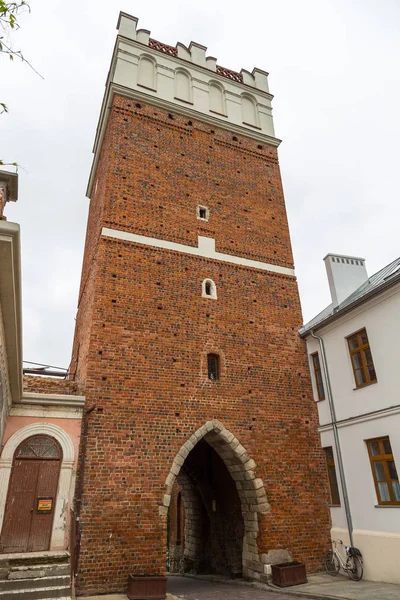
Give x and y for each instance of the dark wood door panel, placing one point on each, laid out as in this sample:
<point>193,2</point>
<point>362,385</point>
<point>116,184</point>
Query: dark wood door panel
<point>47,483</point>
<point>19,506</point>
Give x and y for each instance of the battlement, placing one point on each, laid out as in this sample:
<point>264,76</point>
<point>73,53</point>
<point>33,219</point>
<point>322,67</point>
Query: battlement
<point>196,54</point>
<point>185,81</point>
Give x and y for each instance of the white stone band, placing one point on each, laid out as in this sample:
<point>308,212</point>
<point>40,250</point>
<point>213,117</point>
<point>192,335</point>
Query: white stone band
<point>205,249</point>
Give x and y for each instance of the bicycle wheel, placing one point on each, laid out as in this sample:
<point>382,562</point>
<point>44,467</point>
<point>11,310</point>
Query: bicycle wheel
<point>331,563</point>
<point>355,568</point>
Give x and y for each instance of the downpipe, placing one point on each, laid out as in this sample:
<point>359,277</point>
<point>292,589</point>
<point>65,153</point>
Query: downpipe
<point>336,438</point>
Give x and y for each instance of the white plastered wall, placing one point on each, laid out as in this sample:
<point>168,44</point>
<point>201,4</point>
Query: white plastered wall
<point>376,529</point>
<point>363,414</point>
<point>379,316</point>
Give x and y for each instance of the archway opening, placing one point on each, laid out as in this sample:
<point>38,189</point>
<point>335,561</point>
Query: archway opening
<point>187,476</point>
<point>209,537</point>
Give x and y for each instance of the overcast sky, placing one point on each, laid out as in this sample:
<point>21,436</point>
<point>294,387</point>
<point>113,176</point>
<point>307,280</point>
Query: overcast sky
<point>334,72</point>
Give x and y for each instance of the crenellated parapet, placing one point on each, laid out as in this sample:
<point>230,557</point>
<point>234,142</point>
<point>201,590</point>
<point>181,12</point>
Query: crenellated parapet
<point>196,54</point>
<point>186,81</point>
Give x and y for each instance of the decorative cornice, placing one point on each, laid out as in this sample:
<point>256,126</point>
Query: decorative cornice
<point>377,414</point>
<point>52,399</point>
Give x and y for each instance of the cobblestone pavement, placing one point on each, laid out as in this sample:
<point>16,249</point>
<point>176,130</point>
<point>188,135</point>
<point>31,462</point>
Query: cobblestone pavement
<point>319,586</point>
<point>186,588</point>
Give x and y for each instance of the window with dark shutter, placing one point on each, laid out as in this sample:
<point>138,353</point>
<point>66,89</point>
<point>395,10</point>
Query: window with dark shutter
<point>318,376</point>
<point>333,484</point>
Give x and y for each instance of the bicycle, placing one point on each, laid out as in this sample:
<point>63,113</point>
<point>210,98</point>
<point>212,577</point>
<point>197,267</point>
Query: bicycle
<point>353,566</point>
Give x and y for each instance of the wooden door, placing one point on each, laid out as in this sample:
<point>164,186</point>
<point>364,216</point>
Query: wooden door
<point>32,495</point>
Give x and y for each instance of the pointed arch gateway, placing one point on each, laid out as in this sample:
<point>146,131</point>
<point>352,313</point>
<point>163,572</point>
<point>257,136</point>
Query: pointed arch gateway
<point>250,490</point>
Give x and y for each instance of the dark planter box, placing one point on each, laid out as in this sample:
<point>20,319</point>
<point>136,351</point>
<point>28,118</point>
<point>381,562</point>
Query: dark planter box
<point>291,573</point>
<point>147,588</point>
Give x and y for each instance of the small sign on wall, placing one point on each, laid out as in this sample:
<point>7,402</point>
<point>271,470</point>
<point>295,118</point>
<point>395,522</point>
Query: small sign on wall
<point>44,505</point>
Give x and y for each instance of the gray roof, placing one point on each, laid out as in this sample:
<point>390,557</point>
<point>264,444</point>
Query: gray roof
<point>375,284</point>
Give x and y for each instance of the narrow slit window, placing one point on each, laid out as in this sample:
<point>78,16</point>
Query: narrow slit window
<point>208,288</point>
<point>213,366</point>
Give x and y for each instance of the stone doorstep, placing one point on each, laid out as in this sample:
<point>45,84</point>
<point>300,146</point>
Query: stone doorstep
<point>36,583</point>
<point>35,571</point>
<point>43,593</point>
<point>25,558</point>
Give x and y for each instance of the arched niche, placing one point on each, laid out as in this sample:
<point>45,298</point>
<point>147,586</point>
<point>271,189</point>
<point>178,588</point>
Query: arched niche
<point>147,73</point>
<point>249,111</point>
<point>217,99</point>
<point>183,85</point>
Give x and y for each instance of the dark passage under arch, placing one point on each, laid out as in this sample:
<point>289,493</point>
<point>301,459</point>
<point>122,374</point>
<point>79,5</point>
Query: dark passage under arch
<point>213,522</point>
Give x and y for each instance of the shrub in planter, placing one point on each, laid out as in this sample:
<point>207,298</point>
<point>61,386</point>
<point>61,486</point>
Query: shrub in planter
<point>289,573</point>
<point>147,587</point>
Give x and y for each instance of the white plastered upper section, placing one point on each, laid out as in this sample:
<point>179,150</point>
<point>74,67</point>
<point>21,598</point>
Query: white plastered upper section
<point>187,75</point>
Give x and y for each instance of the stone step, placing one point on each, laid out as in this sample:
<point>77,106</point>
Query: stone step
<point>34,571</point>
<point>44,593</point>
<point>40,582</point>
<point>34,558</point>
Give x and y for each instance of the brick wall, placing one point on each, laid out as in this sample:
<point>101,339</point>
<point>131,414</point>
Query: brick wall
<point>148,332</point>
<point>50,385</point>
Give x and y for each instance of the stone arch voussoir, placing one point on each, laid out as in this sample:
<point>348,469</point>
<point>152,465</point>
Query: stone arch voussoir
<point>250,488</point>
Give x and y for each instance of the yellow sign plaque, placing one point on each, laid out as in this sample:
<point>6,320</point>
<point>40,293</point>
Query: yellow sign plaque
<point>44,505</point>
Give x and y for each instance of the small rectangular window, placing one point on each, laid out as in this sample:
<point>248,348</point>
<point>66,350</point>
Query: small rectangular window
<point>318,376</point>
<point>333,484</point>
<point>361,358</point>
<point>384,471</point>
<point>213,366</point>
<point>203,213</point>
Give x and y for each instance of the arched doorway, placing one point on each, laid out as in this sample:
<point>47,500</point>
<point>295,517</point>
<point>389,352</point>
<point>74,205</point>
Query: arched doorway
<point>222,498</point>
<point>213,528</point>
<point>32,495</point>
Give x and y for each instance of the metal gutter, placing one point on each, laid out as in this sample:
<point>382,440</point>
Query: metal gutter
<point>354,304</point>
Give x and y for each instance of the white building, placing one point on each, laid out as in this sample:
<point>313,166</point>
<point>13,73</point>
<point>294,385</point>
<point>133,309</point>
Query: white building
<point>354,360</point>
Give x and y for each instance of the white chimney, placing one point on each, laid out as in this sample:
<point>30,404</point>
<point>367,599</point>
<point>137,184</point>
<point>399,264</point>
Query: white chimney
<point>345,275</point>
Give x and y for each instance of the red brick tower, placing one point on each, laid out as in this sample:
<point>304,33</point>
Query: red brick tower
<point>186,339</point>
